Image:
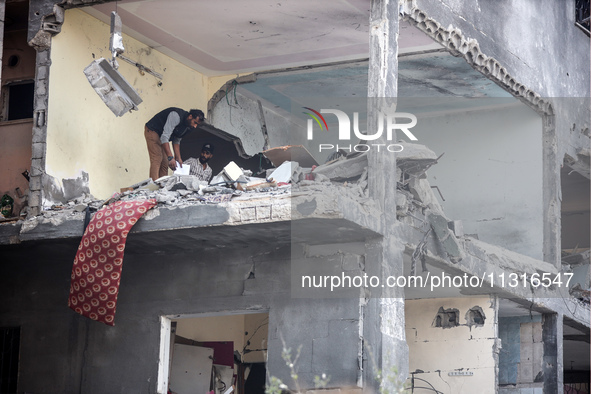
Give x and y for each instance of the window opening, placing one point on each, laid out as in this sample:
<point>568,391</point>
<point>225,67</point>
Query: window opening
<point>20,100</point>
<point>221,354</point>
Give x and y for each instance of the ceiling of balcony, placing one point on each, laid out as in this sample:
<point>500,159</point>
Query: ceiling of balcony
<point>226,36</point>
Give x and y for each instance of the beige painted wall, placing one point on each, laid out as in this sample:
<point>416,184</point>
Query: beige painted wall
<point>213,329</point>
<point>82,133</point>
<point>438,351</point>
<point>257,327</point>
<point>230,328</point>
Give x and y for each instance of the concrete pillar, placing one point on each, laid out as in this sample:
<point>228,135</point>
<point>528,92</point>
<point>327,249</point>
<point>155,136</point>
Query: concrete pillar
<point>43,61</point>
<point>551,192</point>
<point>552,365</point>
<point>383,315</point>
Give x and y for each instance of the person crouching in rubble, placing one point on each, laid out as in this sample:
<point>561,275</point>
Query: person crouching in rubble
<point>199,167</point>
<point>171,124</point>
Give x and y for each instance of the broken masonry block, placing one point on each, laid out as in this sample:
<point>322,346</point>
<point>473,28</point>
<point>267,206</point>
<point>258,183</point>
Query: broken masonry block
<point>439,225</point>
<point>457,227</point>
<point>421,190</point>
<point>232,171</point>
<point>285,172</point>
<point>111,87</point>
<point>448,241</point>
<point>116,42</point>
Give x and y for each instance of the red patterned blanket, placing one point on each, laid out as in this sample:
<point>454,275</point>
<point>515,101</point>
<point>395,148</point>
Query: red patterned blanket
<point>96,273</point>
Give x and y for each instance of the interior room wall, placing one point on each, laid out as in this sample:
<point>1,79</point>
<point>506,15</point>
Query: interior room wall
<point>490,174</point>
<point>248,332</point>
<point>82,133</point>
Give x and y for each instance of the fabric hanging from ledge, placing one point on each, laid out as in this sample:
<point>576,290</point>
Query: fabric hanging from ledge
<point>96,273</point>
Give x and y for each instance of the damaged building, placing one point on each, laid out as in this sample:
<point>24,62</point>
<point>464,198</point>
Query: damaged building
<point>401,201</point>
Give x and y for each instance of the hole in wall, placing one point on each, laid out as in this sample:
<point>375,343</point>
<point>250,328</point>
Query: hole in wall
<point>475,317</point>
<point>446,318</point>
<point>13,61</point>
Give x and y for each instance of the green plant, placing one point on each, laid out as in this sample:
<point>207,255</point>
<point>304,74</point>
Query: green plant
<point>389,382</point>
<point>276,386</point>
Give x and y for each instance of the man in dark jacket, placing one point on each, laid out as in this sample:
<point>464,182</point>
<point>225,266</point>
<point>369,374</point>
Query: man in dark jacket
<point>169,125</point>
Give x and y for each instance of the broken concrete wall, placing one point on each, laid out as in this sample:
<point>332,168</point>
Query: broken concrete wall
<point>490,174</point>
<point>520,358</point>
<point>241,116</point>
<point>70,354</point>
<point>458,359</point>
<point>82,133</point>
<point>259,125</point>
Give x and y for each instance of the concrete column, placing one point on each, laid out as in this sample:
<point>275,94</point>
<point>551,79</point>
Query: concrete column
<point>552,365</point>
<point>43,62</point>
<point>551,191</point>
<point>383,316</point>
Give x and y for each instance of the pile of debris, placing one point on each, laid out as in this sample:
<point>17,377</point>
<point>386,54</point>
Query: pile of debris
<point>576,261</point>
<point>295,168</point>
<point>178,190</point>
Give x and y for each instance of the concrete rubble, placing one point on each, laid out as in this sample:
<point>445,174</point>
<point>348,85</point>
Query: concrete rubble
<point>345,177</point>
